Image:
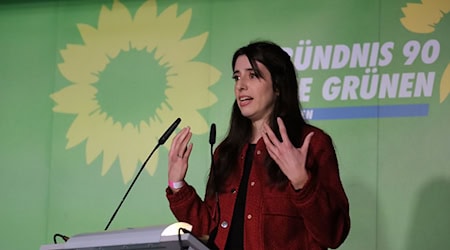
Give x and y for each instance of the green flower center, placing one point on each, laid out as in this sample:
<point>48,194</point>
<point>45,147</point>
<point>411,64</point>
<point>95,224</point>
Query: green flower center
<point>131,87</point>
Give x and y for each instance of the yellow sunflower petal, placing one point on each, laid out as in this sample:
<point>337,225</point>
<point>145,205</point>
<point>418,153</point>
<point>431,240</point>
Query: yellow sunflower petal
<point>174,29</point>
<point>444,89</point>
<point>175,26</point>
<point>79,130</point>
<point>114,27</point>
<point>143,145</point>
<point>195,120</point>
<point>148,131</point>
<point>75,99</point>
<point>99,135</point>
<point>109,157</point>
<point>165,116</point>
<point>192,75</point>
<point>91,37</point>
<point>192,96</point>
<point>112,147</point>
<point>152,164</point>
<point>128,158</point>
<point>145,22</point>
<point>192,80</point>
<point>189,116</point>
<point>422,18</point>
<point>81,64</point>
<point>443,5</point>
<point>185,50</point>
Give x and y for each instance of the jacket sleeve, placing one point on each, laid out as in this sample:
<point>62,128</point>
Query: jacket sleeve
<point>187,206</point>
<point>323,203</point>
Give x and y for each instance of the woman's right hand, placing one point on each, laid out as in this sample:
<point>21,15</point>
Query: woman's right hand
<point>179,153</point>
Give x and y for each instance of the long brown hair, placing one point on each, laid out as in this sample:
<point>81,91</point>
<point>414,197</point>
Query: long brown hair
<point>287,106</point>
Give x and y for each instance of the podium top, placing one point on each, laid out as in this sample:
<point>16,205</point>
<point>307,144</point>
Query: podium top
<point>155,237</point>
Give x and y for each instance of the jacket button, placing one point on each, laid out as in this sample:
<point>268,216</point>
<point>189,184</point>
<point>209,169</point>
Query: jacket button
<point>233,190</point>
<point>224,224</point>
<point>258,152</point>
<point>252,183</point>
<point>249,216</point>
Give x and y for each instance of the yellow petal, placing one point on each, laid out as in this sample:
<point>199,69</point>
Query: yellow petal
<point>98,136</point>
<point>79,130</point>
<point>128,157</point>
<point>115,28</point>
<point>422,18</point>
<point>145,22</point>
<point>183,50</point>
<point>195,120</point>
<point>112,147</point>
<point>175,27</point>
<point>81,64</point>
<point>172,29</point>
<point>442,5</point>
<point>75,99</point>
<point>444,89</point>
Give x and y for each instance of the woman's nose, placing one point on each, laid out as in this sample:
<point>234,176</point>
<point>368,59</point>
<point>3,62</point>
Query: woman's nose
<point>241,84</point>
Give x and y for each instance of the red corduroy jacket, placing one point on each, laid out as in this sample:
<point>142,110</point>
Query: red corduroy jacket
<point>313,218</point>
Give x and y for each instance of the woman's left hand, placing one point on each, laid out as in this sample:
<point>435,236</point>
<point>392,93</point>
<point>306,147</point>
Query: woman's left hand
<point>292,160</point>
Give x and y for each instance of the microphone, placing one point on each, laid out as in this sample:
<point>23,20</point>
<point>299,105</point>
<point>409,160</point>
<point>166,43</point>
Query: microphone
<point>212,134</point>
<point>212,140</point>
<point>169,131</point>
<point>161,141</point>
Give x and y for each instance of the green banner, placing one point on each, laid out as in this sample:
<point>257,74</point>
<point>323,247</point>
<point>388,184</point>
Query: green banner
<point>88,87</point>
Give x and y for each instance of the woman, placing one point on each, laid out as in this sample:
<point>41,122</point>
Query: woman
<point>275,181</point>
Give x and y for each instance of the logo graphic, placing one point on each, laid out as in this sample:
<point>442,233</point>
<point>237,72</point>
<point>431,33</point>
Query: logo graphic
<point>379,79</point>
<point>130,79</point>
<point>422,18</point>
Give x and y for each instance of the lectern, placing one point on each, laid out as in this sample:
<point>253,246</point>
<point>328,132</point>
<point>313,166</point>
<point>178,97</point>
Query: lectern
<point>156,237</point>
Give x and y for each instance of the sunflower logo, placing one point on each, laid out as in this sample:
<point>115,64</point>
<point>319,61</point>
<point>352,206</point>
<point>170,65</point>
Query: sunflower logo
<point>130,79</point>
<point>422,18</point>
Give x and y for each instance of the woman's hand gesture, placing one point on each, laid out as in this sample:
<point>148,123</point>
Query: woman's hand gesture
<point>179,153</point>
<point>292,160</point>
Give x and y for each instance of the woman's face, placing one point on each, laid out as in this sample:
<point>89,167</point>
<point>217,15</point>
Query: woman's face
<point>254,96</point>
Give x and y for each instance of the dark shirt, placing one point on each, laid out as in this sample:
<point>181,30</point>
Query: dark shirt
<point>235,239</point>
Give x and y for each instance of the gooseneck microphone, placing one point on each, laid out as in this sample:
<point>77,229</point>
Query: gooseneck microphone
<point>213,177</point>
<point>168,132</point>
<point>161,141</point>
<point>212,135</point>
<point>212,141</point>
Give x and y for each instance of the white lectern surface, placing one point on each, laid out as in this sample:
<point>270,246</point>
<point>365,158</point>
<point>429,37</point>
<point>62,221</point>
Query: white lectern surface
<point>133,238</point>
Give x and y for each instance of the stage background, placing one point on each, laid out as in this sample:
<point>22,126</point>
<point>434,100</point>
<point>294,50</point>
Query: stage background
<point>87,88</point>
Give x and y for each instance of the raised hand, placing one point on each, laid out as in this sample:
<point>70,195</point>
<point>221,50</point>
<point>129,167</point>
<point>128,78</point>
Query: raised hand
<point>291,160</point>
<point>179,153</point>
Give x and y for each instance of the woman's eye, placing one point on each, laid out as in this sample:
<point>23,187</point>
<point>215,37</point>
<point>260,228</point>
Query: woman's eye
<point>236,77</point>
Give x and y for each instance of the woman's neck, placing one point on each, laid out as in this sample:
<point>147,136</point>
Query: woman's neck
<point>257,128</point>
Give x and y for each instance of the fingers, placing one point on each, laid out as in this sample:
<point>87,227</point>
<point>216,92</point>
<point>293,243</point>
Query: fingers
<point>306,142</point>
<point>188,151</point>
<point>179,153</point>
<point>282,129</point>
<point>269,135</point>
<point>184,145</point>
<point>180,143</point>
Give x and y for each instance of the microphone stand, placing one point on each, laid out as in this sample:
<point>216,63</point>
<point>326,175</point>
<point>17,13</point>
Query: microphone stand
<point>161,141</point>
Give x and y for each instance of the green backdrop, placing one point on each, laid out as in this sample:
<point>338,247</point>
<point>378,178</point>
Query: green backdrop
<point>88,87</point>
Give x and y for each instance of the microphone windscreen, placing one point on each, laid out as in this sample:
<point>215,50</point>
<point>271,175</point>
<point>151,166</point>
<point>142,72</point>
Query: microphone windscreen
<point>169,131</point>
<point>212,134</point>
